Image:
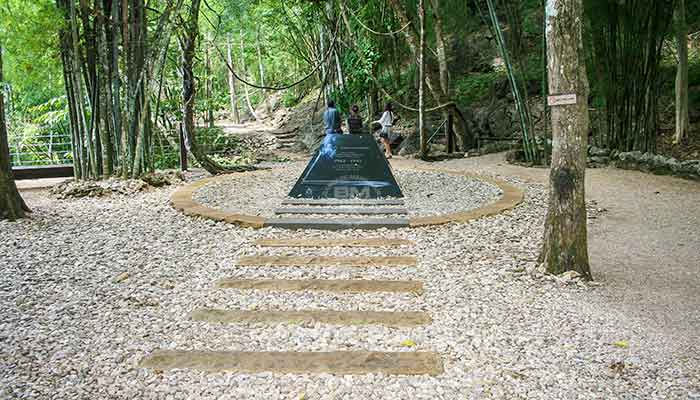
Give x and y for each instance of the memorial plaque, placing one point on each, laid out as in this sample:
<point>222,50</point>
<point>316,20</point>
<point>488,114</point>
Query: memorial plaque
<point>347,167</point>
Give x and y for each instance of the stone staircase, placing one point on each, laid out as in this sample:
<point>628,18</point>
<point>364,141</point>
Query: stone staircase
<point>315,362</point>
<point>335,214</point>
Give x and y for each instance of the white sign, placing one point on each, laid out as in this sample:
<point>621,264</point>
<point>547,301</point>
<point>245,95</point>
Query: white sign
<point>561,99</point>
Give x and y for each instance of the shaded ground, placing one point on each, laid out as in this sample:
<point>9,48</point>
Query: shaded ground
<point>645,249</point>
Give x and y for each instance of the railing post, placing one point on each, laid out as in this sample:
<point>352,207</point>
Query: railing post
<point>183,149</point>
<point>450,134</point>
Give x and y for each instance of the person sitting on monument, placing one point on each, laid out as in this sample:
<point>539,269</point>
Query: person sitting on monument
<point>386,121</point>
<point>355,120</point>
<point>332,119</point>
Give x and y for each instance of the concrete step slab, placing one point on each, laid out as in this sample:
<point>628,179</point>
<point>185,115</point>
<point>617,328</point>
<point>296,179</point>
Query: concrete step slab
<point>368,242</point>
<point>331,317</point>
<point>337,223</point>
<point>347,261</point>
<point>333,362</point>
<point>342,210</point>
<point>326,285</point>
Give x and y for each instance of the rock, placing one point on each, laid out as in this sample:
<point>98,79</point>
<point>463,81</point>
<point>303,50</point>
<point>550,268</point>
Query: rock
<point>598,152</point>
<point>515,155</point>
<point>160,179</point>
<point>77,189</point>
<point>410,145</point>
<point>569,276</point>
<point>599,160</point>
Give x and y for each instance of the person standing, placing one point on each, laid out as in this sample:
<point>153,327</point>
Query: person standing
<point>386,122</point>
<point>355,120</point>
<point>332,119</point>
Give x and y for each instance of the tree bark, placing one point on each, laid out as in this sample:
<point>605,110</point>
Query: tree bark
<point>12,206</point>
<point>208,89</point>
<point>565,245</point>
<point>232,84</point>
<point>188,42</point>
<point>261,68</point>
<point>104,91</point>
<point>421,81</point>
<point>245,87</point>
<point>682,122</point>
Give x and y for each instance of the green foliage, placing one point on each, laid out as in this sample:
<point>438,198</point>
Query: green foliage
<point>476,86</point>
<point>290,99</point>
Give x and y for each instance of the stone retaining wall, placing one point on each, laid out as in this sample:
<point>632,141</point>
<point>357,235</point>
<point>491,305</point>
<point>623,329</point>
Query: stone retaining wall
<point>647,162</point>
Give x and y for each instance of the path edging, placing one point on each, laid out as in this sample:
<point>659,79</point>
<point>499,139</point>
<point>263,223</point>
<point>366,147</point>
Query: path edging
<point>183,200</point>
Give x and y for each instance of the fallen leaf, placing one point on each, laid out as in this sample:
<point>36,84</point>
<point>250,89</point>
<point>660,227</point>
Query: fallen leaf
<point>623,344</point>
<point>617,367</point>
<point>121,277</point>
<point>408,343</point>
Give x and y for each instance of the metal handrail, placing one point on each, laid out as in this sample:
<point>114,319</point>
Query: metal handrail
<point>436,130</point>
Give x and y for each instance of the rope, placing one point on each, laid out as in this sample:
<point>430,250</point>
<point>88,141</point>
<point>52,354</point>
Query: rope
<point>392,33</point>
<point>309,75</point>
<point>376,81</point>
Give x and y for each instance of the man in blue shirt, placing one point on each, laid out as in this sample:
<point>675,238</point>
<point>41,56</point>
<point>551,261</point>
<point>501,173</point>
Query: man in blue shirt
<point>332,119</point>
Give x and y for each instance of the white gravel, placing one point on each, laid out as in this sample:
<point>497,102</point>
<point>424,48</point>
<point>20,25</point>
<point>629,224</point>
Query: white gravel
<point>69,331</point>
<point>424,192</point>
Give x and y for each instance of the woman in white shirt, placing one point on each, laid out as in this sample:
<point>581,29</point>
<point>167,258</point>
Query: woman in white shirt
<point>386,121</point>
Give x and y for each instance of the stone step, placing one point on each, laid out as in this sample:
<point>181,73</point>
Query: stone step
<point>368,242</point>
<point>337,223</point>
<point>328,285</point>
<point>343,202</point>
<point>333,362</point>
<point>345,210</point>
<point>387,318</point>
<point>349,261</point>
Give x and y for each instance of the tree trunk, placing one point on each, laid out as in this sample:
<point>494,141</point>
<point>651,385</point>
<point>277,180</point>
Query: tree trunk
<point>12,206</point>
<point>232,84</point>
<point>565,245</point>
<point>188,42</point>
<point>421,82</point>
<point>104,92</point>
<point>682,122</point>
<point>268,109</point>
<point>208,89</point>
<point>245,87</point>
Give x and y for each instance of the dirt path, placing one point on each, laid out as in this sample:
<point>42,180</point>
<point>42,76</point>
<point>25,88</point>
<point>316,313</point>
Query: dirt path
<point>645,249</point>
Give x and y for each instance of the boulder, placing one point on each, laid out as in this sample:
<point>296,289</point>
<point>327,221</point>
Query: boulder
<point>598,152</point>
<point>598,160</point>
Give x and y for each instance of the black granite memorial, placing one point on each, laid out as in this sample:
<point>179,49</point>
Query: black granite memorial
<point>347,167</point>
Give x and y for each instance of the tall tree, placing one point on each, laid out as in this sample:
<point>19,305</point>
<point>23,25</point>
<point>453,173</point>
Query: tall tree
<point>682,122</point>
<point>232,83</point>
<point>565,246</point>
<point>624,31</point>
<point>421,81</point>
<point>188,43</point>
<point>12,206</point>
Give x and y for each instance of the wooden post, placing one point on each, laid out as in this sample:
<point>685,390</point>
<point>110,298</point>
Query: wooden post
<point>183,148</point>
<point>450,134</point>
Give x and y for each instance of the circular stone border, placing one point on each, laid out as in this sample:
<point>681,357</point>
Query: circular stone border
<point>182,200</point>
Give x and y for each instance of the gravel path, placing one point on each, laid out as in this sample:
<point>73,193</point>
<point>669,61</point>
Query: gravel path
<point>424,192</point>
<point>75,326</point>
<point>643,247</point>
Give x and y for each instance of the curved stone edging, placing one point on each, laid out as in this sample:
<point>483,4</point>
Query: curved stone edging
<point>182,200</point>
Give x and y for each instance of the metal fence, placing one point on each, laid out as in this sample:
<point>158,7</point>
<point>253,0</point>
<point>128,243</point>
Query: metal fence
<point>37,150</point>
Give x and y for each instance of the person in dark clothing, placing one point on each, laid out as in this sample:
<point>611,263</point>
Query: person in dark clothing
<point>355,120</point>
<point>332,119</point>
